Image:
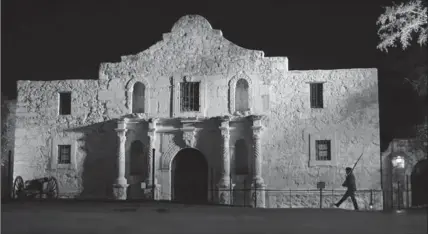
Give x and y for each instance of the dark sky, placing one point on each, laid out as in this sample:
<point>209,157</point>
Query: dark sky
<point>53,40</point>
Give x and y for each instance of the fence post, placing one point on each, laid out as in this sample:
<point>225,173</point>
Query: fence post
<point>255,194</point>
<point>320,198</point>
<point>245,192</point>
<point>291,206</point>
<point>213,187</point>
<point>230,190</point>
<point>407,191</point>
<point>398,195</point>
<point>371,199</point>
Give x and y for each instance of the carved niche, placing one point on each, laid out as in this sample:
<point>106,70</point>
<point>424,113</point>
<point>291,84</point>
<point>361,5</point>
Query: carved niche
<point>189,138</point>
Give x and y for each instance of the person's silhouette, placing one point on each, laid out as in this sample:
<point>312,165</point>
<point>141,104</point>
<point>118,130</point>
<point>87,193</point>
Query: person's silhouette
<point>350,192</point>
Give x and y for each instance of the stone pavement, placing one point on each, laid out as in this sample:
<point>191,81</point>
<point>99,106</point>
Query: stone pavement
<point>102,217</point>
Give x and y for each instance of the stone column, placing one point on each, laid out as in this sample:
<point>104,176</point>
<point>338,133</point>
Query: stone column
<point>121,185</point>
<point>258,186</point>
<point>224,186</point>
<point>150,167</point>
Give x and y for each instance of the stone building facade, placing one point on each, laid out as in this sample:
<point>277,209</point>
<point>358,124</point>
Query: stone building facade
<point>213,117</point>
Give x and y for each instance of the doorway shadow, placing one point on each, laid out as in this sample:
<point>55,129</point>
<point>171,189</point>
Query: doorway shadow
<point>99,163</point>
<point>189,177</point>
<point>419,183</point>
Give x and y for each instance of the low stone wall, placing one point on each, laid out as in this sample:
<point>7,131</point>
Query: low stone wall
<point>311,199</point>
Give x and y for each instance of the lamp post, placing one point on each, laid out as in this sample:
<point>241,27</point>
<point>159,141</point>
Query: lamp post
<point>398,163</point>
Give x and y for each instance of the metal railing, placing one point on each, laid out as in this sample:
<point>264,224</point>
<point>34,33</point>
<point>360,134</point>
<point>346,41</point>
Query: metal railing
<point>299,198</point>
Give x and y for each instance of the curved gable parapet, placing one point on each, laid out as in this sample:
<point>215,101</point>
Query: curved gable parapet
<point>189,23</point>
<point>192,47</point>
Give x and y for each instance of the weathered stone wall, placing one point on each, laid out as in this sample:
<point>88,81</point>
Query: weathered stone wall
<point>39,129</point>
<point>350,118</point>
<point>195,51</point>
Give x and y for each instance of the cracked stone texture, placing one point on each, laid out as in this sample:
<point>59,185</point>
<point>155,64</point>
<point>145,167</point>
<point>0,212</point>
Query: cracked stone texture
<point>195,50</point>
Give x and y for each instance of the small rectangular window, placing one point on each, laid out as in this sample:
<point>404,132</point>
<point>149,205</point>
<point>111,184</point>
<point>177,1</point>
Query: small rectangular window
<point>317,95</point>
<point>64,154</point>
<point>189,96</point>
<point>323,150</point>
<point>65,103</point>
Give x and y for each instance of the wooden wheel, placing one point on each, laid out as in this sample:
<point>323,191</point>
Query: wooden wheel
<point>18,188</point>
<point>52,188</point>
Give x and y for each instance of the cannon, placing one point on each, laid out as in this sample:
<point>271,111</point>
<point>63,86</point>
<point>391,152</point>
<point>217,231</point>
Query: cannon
<point>46,187</point>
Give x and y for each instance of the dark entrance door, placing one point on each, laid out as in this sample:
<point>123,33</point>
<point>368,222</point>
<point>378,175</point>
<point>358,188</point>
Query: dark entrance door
<point>419,183</point>
<point>190,177</point>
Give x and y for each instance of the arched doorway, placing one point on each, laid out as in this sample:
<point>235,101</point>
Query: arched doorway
<point>419,183</point>
<point>189,177</point>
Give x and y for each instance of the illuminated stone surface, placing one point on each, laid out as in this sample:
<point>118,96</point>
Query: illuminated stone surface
<point>196,52</point>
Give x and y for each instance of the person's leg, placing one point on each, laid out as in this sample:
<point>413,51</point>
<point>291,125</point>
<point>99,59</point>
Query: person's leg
<point>345,196</point>
<point>354,200</point>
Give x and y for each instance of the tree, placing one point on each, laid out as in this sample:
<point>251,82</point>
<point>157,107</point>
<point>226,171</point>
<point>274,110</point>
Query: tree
<point>398,25</point>
<point>7,127</point>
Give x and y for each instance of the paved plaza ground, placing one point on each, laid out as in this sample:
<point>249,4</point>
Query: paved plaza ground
<point>72,217</point>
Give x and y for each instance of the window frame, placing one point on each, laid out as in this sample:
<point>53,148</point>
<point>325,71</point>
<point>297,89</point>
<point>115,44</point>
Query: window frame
<point>316,93</point>
<point>311,136</point>
<point>318,151</point>
<point>56,142</point>
<point>60,154</point>
<point>60,103</point>
<point>194,97</point>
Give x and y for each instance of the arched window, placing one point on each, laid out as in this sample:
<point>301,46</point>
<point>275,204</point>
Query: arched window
<point>138,162</point>
<point>138,94</point>
<point>241,157</point>
<point>241,95</point>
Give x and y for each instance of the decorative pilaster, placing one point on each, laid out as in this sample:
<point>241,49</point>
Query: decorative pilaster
<point>257,155</point>
<point>258,186</point>
<point>150,166</point>
<point>119,188</point>
<point>224,185</point>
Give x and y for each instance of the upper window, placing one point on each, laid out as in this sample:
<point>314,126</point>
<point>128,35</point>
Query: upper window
<point>241,95</point>
<point>189,96</point>
<point>64,154</point>
<point>317,95</point>
<point>138,100</point>
<point>323,150</point>
<point>65,103</point>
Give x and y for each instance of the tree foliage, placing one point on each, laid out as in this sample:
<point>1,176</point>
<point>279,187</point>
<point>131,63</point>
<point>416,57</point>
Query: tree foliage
<point>398,25</point>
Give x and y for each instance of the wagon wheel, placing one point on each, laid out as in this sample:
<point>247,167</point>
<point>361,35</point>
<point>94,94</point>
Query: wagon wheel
<point>52,188</point>
<point>18,188</point>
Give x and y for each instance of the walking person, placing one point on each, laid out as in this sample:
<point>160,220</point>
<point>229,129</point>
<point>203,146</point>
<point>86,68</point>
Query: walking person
<point>351,188</point>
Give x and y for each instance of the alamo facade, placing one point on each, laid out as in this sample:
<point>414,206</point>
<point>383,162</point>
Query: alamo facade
<point>214,118</point>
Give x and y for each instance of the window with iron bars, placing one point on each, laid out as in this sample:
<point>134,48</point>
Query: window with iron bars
<point>317,95</point>
<point>323,150</point>
<point>64,154</point>
<point>189,96</point>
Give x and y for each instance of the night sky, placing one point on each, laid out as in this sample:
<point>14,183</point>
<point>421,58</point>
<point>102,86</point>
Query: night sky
<point>54,40</point>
